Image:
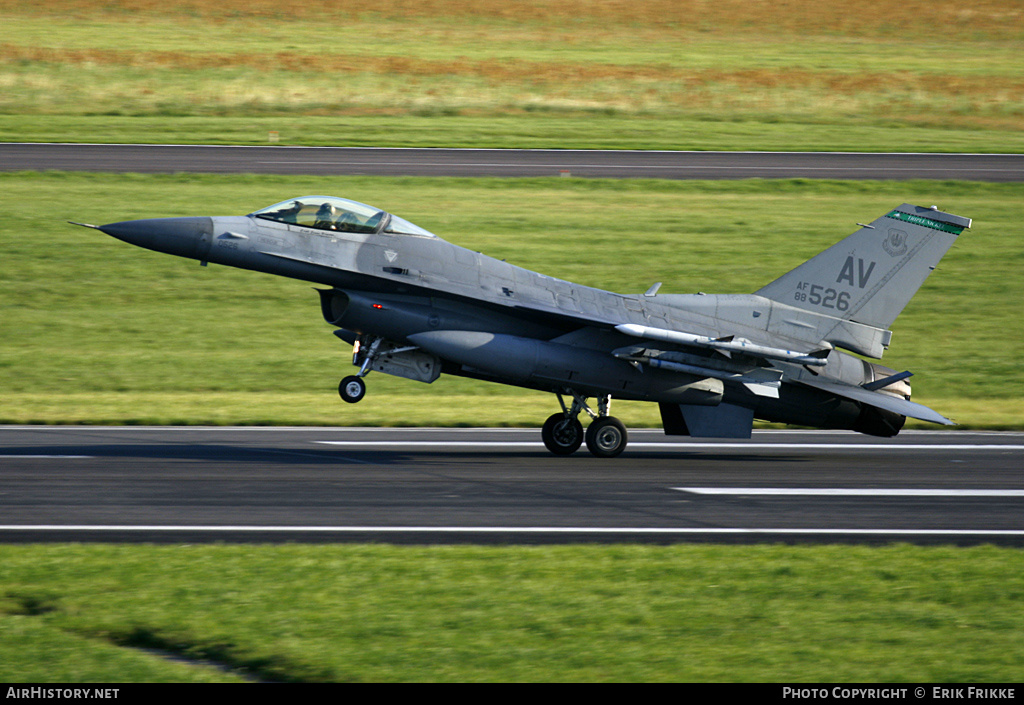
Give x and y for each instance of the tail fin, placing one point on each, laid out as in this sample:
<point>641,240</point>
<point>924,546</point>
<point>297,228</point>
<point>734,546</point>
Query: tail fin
<point>870,276</point>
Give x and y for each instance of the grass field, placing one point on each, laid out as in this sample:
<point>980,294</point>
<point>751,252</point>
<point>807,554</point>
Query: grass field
<point>898,614</point>
<point>97,331</point>
<point>668,74</point>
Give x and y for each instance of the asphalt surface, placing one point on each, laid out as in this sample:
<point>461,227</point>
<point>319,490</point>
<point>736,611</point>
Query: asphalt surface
<point>501,486</point>
<point>324,161</point>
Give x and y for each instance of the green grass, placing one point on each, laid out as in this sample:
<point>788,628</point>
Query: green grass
<point>96,331</point>
<point>573,129</point>
<point>84,613</point>
<point>663,74</point>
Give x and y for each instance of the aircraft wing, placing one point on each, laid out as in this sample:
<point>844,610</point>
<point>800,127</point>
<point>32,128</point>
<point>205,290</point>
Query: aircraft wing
<point>887,402</point>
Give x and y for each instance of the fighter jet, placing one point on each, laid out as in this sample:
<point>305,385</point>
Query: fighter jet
<point>416,306</point>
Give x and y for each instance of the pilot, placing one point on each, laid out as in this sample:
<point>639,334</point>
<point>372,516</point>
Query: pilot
<point>325,217</point>
<point>347,222</point>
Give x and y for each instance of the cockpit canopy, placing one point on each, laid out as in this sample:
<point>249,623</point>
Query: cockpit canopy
<point>338,215</point>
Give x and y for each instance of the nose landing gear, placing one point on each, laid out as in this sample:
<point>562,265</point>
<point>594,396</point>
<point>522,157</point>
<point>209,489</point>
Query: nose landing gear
<point>353,388</point>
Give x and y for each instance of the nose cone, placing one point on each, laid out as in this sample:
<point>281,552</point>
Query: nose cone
<point>185,237</point>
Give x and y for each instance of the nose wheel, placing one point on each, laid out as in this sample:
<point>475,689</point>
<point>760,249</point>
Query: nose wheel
<point>352,389</point>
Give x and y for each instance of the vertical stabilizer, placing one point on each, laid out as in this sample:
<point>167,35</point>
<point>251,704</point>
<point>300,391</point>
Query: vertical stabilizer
<point>870,276</point>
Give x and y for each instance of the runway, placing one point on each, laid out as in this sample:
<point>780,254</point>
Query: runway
<point>325,161</point>
<point>183,484</point>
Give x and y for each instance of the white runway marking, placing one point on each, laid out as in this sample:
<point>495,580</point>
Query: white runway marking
<point>440,444</point>
<point>62,457</point>
<point>434,444</point>
<point>847,492</point>
<point>624,531</point>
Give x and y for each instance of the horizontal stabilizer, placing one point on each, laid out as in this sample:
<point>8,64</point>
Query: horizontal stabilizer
<point>879,400</point>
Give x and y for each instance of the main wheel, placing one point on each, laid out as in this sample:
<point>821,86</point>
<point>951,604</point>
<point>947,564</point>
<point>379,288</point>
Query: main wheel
<point>606,437</point>
<point>562,435</point>
<point>352,389</point>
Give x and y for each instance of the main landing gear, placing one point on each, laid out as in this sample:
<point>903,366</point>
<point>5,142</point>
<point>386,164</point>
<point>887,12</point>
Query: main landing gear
<point>563,433</point>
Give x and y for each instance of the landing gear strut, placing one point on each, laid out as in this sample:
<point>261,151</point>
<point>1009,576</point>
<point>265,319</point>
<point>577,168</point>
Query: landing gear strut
<point>563,433</point>
<point>353,388</point>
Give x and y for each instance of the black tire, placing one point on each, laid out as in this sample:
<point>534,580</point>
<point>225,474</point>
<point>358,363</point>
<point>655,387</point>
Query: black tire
<point>352,389</point>
<point>562,435</point>
<point>606,437</point>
